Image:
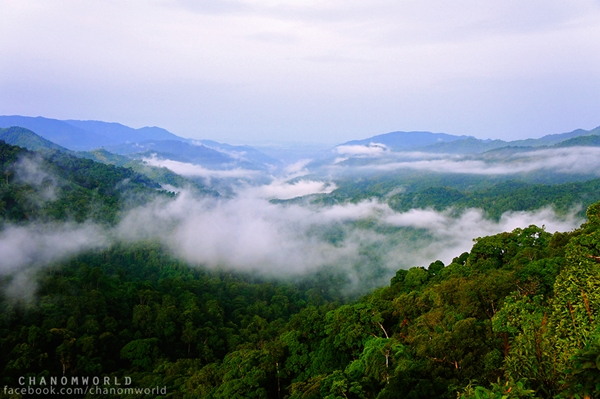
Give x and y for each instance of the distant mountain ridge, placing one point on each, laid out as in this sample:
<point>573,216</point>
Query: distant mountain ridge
<point>172,149</point>
<point>469,145</point>
<point>113,129</point>
<point>587,141</point>
<point>58,132</point>
<point>447,143</point>
<point>24,138</point>
<point>85,135</point>
<point>402,141</point>
<point>552,139</point>
<point>88,135</point>
<point>243,152</point>
<point>77,135</point>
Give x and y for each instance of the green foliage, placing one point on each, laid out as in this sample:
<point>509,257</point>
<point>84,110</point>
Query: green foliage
<point>583,379</point>
<point>492,315</point>
<point>53,185</point>
<point>531,350</point>
<point>501,197</point>
<point>160,175</point>
<point>516,317</point>
<point>577,286</point>
<point>141,352</point>
<point>25,138</point>
<point>497,390</point>
<point>587,141</point>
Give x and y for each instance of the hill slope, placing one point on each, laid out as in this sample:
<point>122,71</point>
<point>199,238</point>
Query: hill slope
<point>58,132</point>
<point>401,141</point>
<point>51,186</point>
<point>118,133</point>
<point>85,135</point>
<point>27,139</point>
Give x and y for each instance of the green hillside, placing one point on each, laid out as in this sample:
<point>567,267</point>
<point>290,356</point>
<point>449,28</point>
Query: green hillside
<point>502,197</point>
<point>160,175</point>
<point>585,141</point>
<point>53,185</point>
<point>25,138</point>
<point>467,146</point>
<point>516,316</point>
<point>493,194</point>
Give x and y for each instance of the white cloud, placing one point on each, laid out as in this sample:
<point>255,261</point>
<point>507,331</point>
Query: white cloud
<point>241,233</point>
<point>193,170</point>
<point>30,170</point>
<point>39,245</point>
<point>351,212</point>
<point>239,155</point>
<point>454,235</point>
<point>25,249</point>
<point>373,149</point>
<point>564,160</point>
<point>285,190</point>
<point>249,233</point>
<point>570,160</point>
<point>297,168</point>
<point>340,159</point>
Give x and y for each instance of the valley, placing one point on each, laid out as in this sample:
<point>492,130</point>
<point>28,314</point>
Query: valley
<point>408,264</point>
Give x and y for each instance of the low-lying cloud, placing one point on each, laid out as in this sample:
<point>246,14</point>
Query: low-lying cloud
<point>297,168</point>
<point>249,233</point>
<point>29,170</point>
<point>373,149</point>
<point>193,170</point>
<point>25,249</point>
<point>283,189</point>
<point>570,160</point>
<point>39,245</point>
<point>454,235</point>
<point>238,155</point>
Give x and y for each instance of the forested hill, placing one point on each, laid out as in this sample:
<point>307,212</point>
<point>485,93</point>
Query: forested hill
<point>26,138</point>
<point>401,141</point>
<point>52,185</point>
<point>451,192</point>
<point>85,135</point>
<point>516,317</point>
<point>447,143</point>
<point>512,195</point>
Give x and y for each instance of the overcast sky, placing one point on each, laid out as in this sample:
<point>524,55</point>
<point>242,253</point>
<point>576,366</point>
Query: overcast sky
<point>303,70</point>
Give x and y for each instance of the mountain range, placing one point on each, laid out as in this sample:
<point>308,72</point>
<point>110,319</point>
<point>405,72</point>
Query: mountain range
<point>402,141</point>
<point>85,135</point>
<point>76,135</point>
<point>146,142</point>
<point>446,143</point>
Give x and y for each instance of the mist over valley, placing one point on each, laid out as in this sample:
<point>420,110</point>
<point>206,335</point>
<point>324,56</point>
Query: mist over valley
<point>299,200</point>
<point>348,235</point>
<point>364,208</point>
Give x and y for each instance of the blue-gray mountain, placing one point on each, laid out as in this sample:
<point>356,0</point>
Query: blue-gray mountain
<point>154,141</point>
<point>402,141</point>
<point>138,143</point>
<point>447,143</point>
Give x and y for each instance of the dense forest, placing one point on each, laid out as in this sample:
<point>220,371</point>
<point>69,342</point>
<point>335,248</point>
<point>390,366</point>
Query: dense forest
<point>515,317</point>
<point>494,194</point>
<point>51,185</point>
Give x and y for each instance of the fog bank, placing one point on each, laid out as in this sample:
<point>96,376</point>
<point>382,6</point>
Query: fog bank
<point>367,241</point>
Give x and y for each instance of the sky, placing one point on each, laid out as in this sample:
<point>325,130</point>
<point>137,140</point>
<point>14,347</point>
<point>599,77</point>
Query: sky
<point>260,71</point>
